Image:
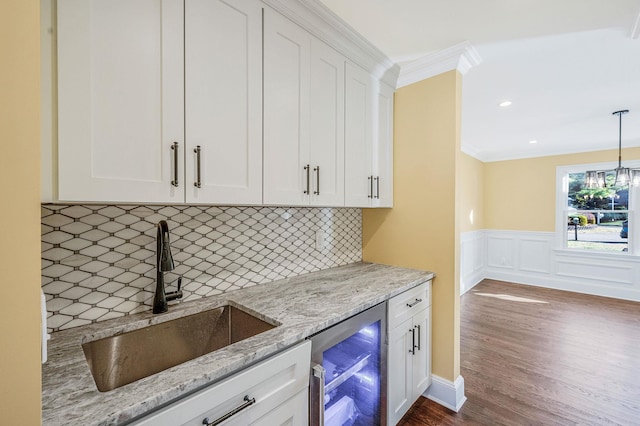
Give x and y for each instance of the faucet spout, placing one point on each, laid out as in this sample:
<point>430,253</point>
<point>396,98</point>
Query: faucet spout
<point>164,263</point>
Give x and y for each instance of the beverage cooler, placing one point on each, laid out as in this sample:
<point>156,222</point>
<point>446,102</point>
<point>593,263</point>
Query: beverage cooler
<point>348,372</point>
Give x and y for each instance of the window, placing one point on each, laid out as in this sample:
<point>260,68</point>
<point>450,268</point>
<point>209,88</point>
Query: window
<point>599,219</point>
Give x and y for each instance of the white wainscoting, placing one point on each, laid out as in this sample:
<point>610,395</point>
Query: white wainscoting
<point>473,259</point>
<point>531,258</point>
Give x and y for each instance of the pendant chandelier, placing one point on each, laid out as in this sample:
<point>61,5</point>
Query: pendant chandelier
<point>624,175</point>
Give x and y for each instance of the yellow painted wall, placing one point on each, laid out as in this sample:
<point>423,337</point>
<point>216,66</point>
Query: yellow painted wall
<point>20,213</point>
<point>520,195</point>
<point>471,210</point>
<point>421,231</point>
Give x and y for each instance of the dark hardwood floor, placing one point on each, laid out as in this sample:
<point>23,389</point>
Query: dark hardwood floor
<point>535,356</point>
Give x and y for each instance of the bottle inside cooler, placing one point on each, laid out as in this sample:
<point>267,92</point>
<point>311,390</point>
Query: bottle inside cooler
<point>352,379</point>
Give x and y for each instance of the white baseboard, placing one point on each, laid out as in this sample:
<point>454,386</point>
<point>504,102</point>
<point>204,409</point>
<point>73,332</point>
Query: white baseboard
<point>446,393</point>
<point>560,283</point>
<point>471,281</point>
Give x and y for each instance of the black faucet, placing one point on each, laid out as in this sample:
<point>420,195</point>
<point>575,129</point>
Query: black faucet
<point>164,263</point>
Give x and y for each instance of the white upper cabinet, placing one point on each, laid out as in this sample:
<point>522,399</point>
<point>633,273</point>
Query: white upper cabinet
<point>145,92</point>
<point>368,140</point>
<point>223,101</point>
<point>120,99</point>
<point>303,117</point>
<point>327,125</point>
<point>358,137</point>
<point>383,143</point>
<point>216,102</point>
<point>287,50</point>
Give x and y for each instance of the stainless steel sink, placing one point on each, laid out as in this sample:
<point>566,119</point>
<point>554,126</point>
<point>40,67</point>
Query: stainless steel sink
<point>117,360</point>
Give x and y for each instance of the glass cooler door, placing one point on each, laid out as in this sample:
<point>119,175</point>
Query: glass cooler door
<point>348,374</point>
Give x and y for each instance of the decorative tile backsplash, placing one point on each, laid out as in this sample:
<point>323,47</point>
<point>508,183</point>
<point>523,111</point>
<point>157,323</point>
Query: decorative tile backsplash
<point>98,261</point>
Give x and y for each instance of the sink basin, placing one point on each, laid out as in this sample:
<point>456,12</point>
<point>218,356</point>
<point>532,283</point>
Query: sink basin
<point>117,360</point>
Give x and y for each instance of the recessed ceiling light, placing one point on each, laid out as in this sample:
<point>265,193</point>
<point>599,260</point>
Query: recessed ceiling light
<point>533,141</point>
<point>504,103</point>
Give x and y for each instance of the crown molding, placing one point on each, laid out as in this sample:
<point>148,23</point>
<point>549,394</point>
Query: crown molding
<point>319,20</point>
<point>490,156</point>
<point>462,57</point>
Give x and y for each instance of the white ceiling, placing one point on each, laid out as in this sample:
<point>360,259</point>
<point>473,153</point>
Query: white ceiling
<point>565,64</point>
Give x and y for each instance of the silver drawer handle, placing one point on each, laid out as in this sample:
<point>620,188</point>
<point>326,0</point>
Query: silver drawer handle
<point>174,148</point>
<point>249,401</point>
<point>307,169</point>
<point>317,170</point>
<point>412,351</point>
<point>198,182</point>
<point>412,304</point>
<point>377,179</point>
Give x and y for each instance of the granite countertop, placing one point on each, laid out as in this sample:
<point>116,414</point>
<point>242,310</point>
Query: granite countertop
<point>303,305</point>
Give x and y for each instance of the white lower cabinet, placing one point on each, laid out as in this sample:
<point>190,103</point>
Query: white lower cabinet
<point>273,392</point>
<point>409,357</point>
<point>295,411</point>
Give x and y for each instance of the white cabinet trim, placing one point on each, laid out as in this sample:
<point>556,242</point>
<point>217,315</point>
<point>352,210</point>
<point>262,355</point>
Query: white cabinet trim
<point>320,21</point>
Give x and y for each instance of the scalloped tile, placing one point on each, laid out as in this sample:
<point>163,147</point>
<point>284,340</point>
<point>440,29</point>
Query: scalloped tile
<point>107,253</point>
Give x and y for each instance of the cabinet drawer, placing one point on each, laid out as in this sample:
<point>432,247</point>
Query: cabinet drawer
<point>405,305</point>
<point>271,382</point>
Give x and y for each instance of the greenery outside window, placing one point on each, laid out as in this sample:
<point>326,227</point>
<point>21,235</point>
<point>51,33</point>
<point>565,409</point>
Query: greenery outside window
<point>594,219</point>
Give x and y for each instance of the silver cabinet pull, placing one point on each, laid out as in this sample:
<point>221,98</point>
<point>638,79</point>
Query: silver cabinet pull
<point>413,341</point>
<point>317,170</point>
<point>370,194</point>
<point>248,402</point>
<point>198,182</point>
<point>412,304</point>
<point>307,169</point>
<point>377,178</point>
<point>317,413</point>
<point>174,148</point>
<point>418,327</point>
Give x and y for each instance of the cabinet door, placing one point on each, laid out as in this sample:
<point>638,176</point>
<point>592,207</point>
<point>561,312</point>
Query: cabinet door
<point>422,359</point>
<point>327,125</point>
<point>272,383</point>
<point>293,412</point>
<point>223,101</point>
<point>358,137</point>
<point>120,100</point>
<point>383,155</point>
<point>399,394</point>
<point>286,112</point>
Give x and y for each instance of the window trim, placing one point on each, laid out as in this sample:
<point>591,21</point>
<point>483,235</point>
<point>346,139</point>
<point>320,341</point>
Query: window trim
<point>562,193</point>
